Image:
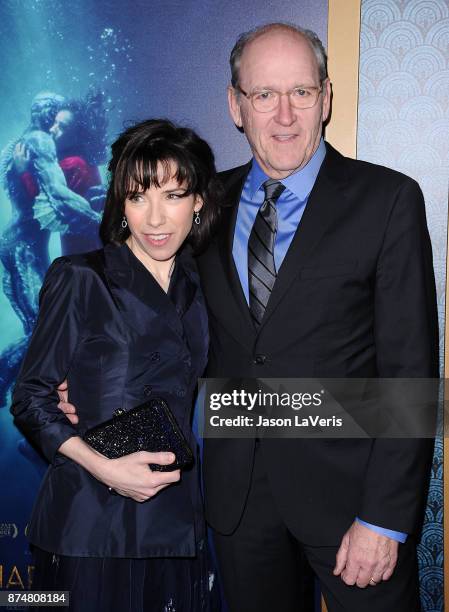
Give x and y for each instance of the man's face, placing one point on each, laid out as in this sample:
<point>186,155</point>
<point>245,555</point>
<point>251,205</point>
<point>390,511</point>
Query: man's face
<point>282,140</point>
<point>43,110</point>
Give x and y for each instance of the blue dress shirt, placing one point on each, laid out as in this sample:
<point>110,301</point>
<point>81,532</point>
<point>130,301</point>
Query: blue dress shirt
<point>290,208</point>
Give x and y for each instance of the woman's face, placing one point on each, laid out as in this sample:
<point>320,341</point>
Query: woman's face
<point>63,130</point>
<point>160,218</point>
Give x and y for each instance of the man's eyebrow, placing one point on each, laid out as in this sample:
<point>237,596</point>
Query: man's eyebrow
<point>273,88</point>
<point>263,87</point>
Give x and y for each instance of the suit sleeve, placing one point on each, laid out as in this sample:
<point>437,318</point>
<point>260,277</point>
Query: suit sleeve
<point>406,337</point>
<point>47,361</point>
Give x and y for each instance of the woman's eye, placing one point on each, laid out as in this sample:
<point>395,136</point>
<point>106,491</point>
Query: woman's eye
<point>176,196</point>
<point>137,197</point>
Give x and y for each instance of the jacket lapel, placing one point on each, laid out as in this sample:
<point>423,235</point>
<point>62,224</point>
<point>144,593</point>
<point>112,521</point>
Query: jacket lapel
<point>322,209</point>
<point>240,320</point>
<point>323,206</point>
<point>137,294</point>
<point>182,288</point>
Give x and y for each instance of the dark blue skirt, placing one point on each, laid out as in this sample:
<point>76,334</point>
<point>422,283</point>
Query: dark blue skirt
<point>128,585</point>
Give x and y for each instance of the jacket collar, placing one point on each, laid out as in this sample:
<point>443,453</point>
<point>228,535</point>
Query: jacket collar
<point>326,201</point>
<point>129,280</point>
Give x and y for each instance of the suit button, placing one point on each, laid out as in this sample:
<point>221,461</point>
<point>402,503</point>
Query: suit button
<point>260,359</point>
<point>180,391</point>
<point>147,389</point>
<point>155,356</point>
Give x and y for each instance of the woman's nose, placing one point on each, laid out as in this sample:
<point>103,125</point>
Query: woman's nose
<point>155,216</point>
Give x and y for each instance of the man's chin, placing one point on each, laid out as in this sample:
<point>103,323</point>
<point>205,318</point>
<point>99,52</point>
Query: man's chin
<point>282,169</point>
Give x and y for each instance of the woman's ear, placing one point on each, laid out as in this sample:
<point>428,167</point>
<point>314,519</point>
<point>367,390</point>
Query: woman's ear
<point>198,203</point>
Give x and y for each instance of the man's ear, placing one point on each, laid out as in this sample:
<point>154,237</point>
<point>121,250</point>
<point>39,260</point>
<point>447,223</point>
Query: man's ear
<point>234,106</point>
<point>327,96</point>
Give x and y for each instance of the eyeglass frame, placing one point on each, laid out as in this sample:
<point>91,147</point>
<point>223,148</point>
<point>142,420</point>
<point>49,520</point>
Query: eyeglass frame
<point>249,97</point>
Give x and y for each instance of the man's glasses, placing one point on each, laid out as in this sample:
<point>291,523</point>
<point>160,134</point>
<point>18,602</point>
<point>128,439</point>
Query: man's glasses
<point>266,100</point>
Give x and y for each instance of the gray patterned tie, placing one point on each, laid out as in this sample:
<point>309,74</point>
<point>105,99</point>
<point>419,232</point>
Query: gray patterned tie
<point>261,266</point>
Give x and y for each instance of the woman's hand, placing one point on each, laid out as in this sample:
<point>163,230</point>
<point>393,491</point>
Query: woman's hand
<point>129,476</point>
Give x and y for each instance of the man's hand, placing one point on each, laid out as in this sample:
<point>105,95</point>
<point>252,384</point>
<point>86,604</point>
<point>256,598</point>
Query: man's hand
<point>64,405</point>
<point>21,157</point>
<point>365,557</point>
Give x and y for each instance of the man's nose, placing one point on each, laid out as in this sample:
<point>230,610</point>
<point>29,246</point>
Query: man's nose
<point>285,112</point>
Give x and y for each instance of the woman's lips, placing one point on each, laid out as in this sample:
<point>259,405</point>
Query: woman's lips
<point>157,240</point>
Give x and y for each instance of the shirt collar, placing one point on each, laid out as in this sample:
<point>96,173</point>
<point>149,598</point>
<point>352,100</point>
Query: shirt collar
<point>299,183</point>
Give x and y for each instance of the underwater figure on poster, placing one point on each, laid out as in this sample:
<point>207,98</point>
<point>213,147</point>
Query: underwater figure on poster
<point>52,180</point>
<point>70,194</point>
<point>23,245</point>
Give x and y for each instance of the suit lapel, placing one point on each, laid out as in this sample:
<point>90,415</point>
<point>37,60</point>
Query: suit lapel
<point>323,206</point>
<point>234,185</point>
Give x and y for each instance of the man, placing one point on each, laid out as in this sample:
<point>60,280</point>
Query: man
<point>348,292</point>
<point>325,270</point>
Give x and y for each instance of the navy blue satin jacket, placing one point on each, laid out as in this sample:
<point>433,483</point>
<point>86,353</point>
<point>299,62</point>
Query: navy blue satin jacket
<point>108,327</point>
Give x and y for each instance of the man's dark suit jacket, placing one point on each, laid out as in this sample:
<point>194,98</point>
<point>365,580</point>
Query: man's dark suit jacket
<point>354,297</point>
<point>106,325</point>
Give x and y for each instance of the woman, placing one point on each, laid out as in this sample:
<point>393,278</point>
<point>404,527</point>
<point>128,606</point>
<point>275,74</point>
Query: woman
<point>123,324</point>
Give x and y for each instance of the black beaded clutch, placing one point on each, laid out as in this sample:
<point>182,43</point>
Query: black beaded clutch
<point>149,427</point>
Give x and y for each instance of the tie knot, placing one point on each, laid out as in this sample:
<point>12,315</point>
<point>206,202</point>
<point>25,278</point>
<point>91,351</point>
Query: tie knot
<point>273,189</point>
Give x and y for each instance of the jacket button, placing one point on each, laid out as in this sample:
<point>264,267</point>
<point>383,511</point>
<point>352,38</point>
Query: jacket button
<point>260,359</point>
<point>147,389</point>
<point>155,356</point>
<point>180,391</point>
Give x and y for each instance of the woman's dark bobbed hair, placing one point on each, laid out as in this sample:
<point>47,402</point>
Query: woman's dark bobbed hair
<point>138,154</point>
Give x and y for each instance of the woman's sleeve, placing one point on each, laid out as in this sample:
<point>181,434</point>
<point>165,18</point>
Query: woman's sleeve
<point>47,361</point>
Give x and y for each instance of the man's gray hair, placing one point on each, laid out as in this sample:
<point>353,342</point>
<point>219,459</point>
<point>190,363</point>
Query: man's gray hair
<point>247,37</point>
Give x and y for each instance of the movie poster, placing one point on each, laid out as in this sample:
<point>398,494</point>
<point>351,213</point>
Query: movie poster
<point>73,74</point>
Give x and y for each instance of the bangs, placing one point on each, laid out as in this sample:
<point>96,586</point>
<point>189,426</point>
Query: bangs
<point>149,167</point>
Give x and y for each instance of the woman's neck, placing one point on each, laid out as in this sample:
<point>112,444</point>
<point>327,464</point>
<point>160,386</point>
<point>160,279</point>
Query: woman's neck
<point>160,270</point>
